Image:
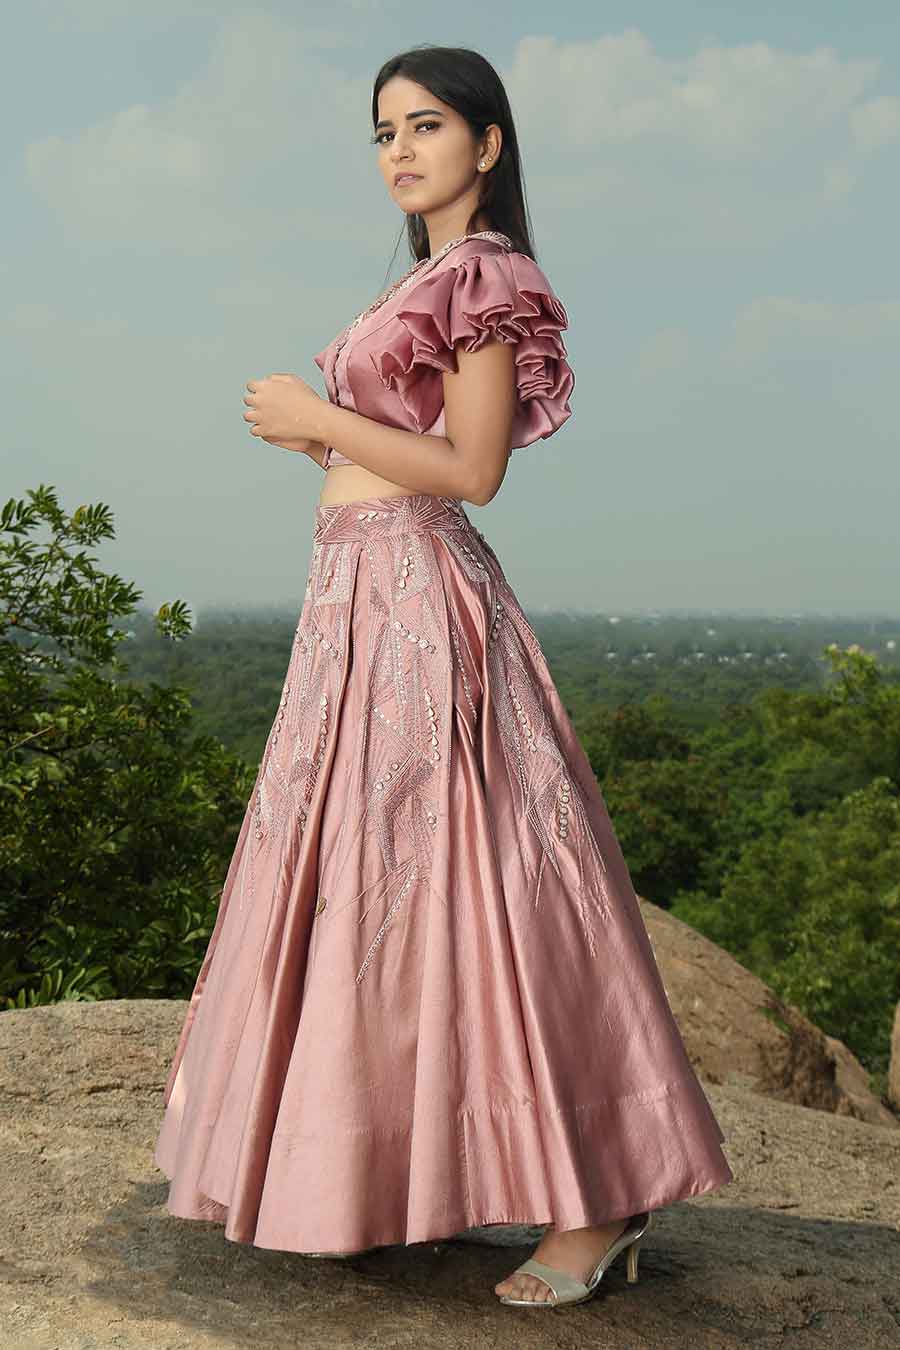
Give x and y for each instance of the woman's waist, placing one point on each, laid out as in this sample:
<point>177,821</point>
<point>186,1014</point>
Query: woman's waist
<point>348,482</point>
<point>377,514</point>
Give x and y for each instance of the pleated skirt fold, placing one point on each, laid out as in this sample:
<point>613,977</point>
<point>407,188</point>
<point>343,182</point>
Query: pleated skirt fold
<point>429,1001</point>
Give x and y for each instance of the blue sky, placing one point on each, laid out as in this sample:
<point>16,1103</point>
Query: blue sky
<point>191,201</point>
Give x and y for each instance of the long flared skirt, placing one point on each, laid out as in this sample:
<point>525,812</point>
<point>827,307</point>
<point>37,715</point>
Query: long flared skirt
<point>429,1001</point>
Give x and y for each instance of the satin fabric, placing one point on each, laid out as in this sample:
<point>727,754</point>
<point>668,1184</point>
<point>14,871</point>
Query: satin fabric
<point>429,1001</point>
<point>390,368</point>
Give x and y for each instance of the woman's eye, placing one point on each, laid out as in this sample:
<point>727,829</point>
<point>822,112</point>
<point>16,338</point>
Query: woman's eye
<point>379,139</point>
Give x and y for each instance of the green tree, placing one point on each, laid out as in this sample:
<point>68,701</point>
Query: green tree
<point>814,910</point>
<point>117,820</point>
<point>805,888</point>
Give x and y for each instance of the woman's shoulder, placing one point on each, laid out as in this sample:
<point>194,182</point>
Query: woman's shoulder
<point>481,290</point>
<point>486,271</point>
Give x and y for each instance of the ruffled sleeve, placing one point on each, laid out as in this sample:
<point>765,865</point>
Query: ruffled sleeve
<point>502,295</point>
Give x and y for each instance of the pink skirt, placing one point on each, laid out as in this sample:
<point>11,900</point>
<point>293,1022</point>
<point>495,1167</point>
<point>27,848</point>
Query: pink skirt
<point>429,1001</point>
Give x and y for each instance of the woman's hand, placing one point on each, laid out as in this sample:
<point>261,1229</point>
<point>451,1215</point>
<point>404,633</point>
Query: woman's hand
<point>282,409</point>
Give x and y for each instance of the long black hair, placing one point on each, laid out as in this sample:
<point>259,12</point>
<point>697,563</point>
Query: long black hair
<point>468,83</point>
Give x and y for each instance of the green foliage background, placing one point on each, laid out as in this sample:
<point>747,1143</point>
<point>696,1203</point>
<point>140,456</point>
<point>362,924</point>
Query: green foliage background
<point>117,817</point>
<point>758,800</point>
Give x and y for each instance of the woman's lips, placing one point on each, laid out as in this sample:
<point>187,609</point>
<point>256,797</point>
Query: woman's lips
<point>407,178</point>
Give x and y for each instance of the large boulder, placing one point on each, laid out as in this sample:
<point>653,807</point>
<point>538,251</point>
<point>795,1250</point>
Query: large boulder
<point>738,1031</point>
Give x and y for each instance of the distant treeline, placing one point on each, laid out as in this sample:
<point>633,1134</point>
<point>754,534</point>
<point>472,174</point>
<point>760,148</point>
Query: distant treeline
<point>235,661</point>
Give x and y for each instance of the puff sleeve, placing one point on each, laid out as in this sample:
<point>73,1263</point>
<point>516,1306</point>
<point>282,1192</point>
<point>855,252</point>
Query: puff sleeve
<point>502,295</point>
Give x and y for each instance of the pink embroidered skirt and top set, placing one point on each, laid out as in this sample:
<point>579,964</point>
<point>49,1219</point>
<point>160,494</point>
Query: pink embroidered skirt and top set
<point>429,1001</point>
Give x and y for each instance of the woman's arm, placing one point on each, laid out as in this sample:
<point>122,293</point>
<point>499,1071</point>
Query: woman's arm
<point>468,463</point>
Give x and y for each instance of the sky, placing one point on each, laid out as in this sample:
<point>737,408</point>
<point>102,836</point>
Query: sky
<point>190,201</point>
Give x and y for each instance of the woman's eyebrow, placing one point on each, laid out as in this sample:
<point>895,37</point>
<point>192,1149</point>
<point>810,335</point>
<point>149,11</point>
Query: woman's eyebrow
<point>386,121</point>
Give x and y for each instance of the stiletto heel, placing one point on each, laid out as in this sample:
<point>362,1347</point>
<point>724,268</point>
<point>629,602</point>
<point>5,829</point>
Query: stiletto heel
<point>565,1288</point>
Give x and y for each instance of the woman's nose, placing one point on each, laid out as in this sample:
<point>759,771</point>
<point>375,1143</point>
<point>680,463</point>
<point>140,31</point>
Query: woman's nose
<point>399,147</point>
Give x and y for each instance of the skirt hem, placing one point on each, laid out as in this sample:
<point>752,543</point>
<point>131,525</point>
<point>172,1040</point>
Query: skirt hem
<point>445,1233</point>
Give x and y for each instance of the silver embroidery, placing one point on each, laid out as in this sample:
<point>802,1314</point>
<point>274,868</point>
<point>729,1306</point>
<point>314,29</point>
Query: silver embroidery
<point>467,688</point>
<point>408,723</point>
<point>389,918</point>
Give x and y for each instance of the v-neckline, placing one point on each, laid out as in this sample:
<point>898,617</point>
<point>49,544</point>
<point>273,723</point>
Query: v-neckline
<point>410,278</point>
<point>405,283</point>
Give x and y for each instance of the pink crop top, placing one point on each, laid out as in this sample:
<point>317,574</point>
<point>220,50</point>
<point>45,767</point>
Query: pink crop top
<point>390,366</point>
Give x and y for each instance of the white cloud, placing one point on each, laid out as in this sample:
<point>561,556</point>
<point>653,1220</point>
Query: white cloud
<point>876,123</point>
<point>667,350</point>
<point>773,326</point>
<point>838,181</point>
<point>742,100</point>
<point>236,154</point>
<point>731,147</point>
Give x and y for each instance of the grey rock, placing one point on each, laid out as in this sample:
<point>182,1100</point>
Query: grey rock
<point>802,1250</point>
<point>737,1031</point>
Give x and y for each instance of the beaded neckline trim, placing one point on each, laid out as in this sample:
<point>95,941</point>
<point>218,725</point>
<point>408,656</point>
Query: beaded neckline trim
<point>418,269</point>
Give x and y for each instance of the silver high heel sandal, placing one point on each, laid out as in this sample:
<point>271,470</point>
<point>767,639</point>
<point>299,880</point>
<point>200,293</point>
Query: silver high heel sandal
<point>565,1288</point>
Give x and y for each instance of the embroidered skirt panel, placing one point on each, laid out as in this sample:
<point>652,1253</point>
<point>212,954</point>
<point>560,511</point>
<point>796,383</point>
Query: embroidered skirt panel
<point>429,1001</point>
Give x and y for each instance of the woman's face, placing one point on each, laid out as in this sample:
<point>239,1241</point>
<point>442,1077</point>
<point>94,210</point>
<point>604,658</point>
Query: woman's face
<point>419,135</point>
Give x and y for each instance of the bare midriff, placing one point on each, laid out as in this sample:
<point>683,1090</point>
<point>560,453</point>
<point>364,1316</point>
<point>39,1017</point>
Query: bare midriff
<point>351,482</point>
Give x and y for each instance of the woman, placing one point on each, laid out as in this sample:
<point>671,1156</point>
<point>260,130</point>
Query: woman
<point>429,1002</point>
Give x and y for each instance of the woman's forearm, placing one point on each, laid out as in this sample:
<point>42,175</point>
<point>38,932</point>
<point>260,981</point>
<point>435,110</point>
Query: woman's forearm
<point>414,460</point>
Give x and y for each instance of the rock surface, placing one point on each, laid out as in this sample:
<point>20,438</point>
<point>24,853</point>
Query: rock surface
<point>801,1251</point>
<point>738,1032</point>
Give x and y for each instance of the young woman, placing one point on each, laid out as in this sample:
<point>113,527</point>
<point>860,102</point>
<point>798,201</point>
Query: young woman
<point>429,1002</point>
